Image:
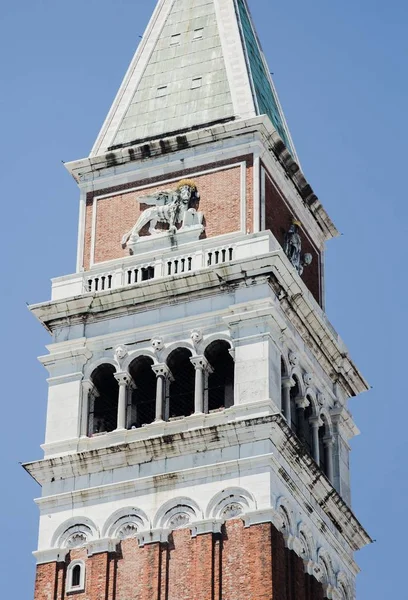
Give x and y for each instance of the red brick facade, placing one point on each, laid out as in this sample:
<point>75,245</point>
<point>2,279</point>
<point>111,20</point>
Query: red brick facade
<point>238,564</point>
<point>278,218</point>
<point>116,212</point>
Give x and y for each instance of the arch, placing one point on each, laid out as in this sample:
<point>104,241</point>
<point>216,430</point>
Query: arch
<point>97,363</point>
<point>220,382</point>
<point>297,374</point>
<point>141,406</point>
<point>283,508</point>
<point>166,352</point>
<point>310,394</point>
<point>103,405</point>
<point>134,354</point>
<point>326,566</point>
<point>75,578</point>
<point>177,513</point>
<point>77,526</point>
<point>343,585</point>
<point>305,534</point>
<point>214,337</point>
<point>230,503</point>
<point>125,522</point>
<point>181,388</point>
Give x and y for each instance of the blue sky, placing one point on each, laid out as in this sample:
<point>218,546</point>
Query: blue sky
<point>340,69</point>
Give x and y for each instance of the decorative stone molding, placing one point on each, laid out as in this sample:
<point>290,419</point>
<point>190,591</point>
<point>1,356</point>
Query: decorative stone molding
<point>101,546</point>
<point>228,502</point>
<point>76,540</point>
<point>76,536</point>
<point>265,515</point>
<point>153,536</point>
<point>179,521</point>
<point>206,526</point>
<point>125,523</point>
<point>52,555</point>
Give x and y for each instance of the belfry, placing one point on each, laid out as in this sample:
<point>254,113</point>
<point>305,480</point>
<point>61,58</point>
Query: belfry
<point>197,435</point>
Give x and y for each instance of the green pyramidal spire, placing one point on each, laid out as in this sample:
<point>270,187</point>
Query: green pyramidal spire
<point>199,62</point>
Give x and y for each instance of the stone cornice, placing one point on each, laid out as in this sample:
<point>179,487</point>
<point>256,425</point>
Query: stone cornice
<point>274,428</point>
<point>295,300</point>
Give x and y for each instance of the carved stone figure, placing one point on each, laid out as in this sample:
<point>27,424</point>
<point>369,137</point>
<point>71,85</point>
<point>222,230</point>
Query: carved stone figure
<point>157,344</point>
<point>293,249</point>
<point>196,336</point>
<point>171,208</point>
<point>120,354</point>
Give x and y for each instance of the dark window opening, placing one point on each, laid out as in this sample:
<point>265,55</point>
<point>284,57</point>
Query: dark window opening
<point>181,392</point>
<point>306,434</point>
<point>220,386</point>
<point>142,400</point>
<point>322,448</point>
<point>76,576</point>
<point>294,393</point>
<point>103,409</point>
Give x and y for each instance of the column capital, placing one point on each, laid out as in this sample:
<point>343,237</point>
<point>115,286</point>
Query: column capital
<point>288,382</point>
<point>302,402</point>
<point>123,378</point>
<point>200,362</point>
<point>316,422</point>
<point>162,370</point>
<point>328,442</point>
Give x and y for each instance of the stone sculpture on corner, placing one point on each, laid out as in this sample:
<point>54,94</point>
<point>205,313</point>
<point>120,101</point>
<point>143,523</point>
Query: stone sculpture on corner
<point>173,208</point>
<point>293,249</point>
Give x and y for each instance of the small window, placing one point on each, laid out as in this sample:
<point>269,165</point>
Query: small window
<point>198,34</point>
<point>196,83</point>
<point>175,39</point>
<point>76,576</point>
<point>161,91</point>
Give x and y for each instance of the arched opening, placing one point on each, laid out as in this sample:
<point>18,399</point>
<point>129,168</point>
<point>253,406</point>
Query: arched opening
<point>220,383</point>
<point>294,393</point>
<point>141,408</point>
<point>181,390</point>
<point>76,576</point>
<point>103,407</point>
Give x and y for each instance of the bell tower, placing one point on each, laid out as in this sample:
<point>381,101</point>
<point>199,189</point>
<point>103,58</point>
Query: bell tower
<point>197,435</point>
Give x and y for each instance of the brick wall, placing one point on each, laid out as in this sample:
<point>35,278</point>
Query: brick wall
<point>116,214</point>
<point>278,218</point>
<point>238,564</point>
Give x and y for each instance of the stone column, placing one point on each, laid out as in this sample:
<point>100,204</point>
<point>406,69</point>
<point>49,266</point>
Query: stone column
<point>316,423</point>
<point>124,380</point>
<point>162,373</point>
<point>328,448</point>
<point>89,394</point>
<point>201,366</point>
<point>287,384</point>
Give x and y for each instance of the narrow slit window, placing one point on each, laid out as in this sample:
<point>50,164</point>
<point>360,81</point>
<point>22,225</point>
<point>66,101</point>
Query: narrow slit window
<point>198,34</point>
<point>196,83</point>
<point>161,91</point>
<point>175,39</point>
